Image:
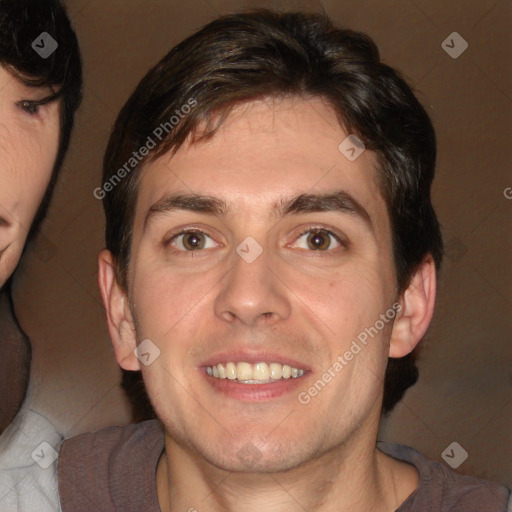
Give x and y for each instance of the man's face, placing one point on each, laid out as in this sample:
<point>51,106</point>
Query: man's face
<point>29,137</point>
<point>200,290</point>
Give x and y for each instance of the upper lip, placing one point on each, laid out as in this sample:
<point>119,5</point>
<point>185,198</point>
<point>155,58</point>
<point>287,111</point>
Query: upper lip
<point>253,358</point>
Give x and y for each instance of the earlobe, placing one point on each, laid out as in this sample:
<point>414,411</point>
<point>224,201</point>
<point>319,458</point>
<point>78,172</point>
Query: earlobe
<point>417,303</point>
<point>119,319</point>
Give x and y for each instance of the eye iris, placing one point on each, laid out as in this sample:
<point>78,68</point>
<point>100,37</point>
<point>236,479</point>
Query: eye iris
<point>192,241</point>
<point>29,106</point>
<point>318,241</point>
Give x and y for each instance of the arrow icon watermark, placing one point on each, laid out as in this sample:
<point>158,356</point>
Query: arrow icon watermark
<point>351,147</point>
<point>454,455</point>
<point>454,45</point>
<point>44,455</point>
<point>147,352</point>
<point>44,45</point>
<point>249,250</point>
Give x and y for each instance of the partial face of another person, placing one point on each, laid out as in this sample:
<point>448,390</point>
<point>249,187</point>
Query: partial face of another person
<point>264,244</point>
<point>29,138</point>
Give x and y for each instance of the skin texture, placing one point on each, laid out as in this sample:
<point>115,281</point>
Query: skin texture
<point>29,137</point>
<point>292,300</point>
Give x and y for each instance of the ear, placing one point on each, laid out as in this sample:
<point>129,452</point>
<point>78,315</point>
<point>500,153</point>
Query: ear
<point>417,307</point>
<point>119,318</point>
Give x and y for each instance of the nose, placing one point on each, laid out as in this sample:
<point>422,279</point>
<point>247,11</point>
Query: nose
<point>252,294</point>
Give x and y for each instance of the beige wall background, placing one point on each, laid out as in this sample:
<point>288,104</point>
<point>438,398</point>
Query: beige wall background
<point>465,389</point>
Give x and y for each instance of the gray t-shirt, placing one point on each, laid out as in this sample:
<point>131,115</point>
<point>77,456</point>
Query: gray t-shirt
<point>114,470</point>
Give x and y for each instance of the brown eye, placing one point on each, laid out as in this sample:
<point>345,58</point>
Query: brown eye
<point>318,241</point>
<point>193,241</point>
<point>188,241</point>
<point>29,106</point>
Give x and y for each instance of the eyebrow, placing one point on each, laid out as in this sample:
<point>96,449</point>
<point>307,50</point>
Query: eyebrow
<point>338,201</point>
<point>55,93</point>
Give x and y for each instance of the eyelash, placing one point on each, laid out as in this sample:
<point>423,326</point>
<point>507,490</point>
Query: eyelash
<point>311,229</point>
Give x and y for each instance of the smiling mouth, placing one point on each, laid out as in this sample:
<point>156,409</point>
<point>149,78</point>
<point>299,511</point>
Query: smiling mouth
<point>259,373</point>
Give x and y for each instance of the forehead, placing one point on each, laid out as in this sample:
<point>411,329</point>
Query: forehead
<point>264,151</point>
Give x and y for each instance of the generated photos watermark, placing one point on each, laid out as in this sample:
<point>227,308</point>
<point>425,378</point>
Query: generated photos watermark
<point>44,44</point>
<point>147,352</point>
<point>351,147</point>
<point>454,455</point>
<point>160,132</point>
<point>454,45</point>
<point>357,345</point>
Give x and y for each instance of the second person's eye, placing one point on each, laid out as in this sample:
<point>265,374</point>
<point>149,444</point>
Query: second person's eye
<point>29,106</point>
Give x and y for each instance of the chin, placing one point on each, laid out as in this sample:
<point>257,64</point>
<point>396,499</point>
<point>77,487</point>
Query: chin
<point>244,456</point>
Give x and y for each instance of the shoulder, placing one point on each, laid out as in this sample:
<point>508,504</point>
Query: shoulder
<point>442,490</point>
<point>113,441</point>
<point>28,477</point>
<point>114,467</point>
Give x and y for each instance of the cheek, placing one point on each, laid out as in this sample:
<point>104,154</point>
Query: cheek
<point>35,178</point>
<point>40,162</point>
<point>346,302</point>
<point>170,304</point>
<point>27,161</point>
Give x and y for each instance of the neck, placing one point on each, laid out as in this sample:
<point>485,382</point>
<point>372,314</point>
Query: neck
<point>351,477</point>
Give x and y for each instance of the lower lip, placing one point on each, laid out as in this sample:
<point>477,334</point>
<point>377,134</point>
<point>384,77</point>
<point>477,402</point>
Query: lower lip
<point>255,392</point>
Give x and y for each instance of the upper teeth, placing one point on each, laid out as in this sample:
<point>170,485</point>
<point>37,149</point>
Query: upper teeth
<point>251,373</point>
